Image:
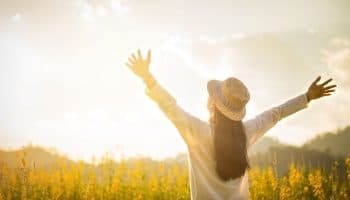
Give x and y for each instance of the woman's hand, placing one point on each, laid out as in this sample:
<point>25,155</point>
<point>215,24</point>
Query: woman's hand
<point>316,91</point>
<point>139,65</point>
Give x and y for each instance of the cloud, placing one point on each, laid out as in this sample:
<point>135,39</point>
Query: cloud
<point>17,17</point>
<point>87,12</point>
<point>119,7</point>
<point>338,61</point>
<point>90,11</point>
<point>252,58</point>
<point>337,107</point>
<point>275,67</point>
<point>340,42</point>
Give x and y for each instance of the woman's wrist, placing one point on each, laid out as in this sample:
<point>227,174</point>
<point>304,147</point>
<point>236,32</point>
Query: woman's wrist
<point>149,80</point>
<point>307,97</point>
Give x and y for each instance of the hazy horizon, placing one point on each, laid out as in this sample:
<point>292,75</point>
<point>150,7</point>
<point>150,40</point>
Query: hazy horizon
<point>64,84</point>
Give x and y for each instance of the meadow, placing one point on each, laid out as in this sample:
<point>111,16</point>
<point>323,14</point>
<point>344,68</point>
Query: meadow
<point>137,179</point>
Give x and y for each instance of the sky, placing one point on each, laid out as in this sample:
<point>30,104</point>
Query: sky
<point>64,85</point>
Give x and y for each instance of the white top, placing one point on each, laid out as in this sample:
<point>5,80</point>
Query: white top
<point>204,181</point>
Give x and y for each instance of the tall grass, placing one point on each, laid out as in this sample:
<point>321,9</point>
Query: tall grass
<point>139,180</point>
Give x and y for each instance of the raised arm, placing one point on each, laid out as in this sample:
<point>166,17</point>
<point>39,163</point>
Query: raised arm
<point>260,124</point>
<point>187,125</point>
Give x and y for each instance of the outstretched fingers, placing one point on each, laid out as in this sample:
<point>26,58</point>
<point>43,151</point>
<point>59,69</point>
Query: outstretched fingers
<point>134,57</point>
<point>326,91</point>
<point>132,61</point>
<point>129,65</point>
<point>330,87</point>
<point>326,82</point>
<point>316,80</point>
<point>148,56</point>
<point>137,63</point>
<point>139,54</point>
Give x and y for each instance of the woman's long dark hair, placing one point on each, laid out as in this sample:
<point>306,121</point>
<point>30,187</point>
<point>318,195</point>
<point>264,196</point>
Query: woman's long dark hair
<point>230,147</point>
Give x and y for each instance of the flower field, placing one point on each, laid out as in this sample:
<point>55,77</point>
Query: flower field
<point>139,180</point>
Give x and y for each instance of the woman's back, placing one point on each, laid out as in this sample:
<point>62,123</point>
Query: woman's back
<point>204,180</point>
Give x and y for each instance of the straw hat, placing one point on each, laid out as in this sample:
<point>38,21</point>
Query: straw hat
<point>229,96</point>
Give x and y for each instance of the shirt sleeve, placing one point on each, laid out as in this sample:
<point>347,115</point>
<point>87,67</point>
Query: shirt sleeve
<point>261,123</point>
<point>188,126</point>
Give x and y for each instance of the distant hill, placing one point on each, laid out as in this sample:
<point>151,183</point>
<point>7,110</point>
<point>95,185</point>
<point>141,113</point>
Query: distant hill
<point>264,144</point>
<point>33,155</point>
<point>281,158</point>
<point>337,143</point>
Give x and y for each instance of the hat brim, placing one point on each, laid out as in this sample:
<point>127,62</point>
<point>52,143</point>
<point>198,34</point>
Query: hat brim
<point>215,92</point>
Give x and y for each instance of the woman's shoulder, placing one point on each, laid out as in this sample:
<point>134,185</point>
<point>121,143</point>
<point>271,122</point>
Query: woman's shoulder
<point>203,134</point>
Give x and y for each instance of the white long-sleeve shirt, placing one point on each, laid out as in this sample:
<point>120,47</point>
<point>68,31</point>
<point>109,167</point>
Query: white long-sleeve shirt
<point>197,134</point>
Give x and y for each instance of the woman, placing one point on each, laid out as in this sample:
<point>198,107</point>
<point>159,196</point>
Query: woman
<point>218,162</point>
